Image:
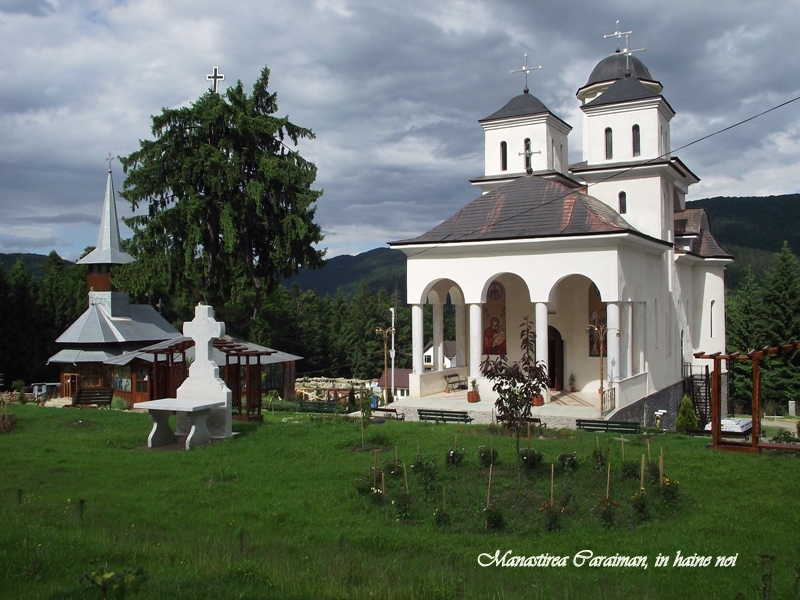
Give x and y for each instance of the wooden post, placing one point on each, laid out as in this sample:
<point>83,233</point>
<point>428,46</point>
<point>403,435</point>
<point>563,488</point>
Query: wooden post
<point>716,408</point>
<point>641,483</point>
<point>622,437</point>
<point>661,468</point>
<point>608,482</point>
<point>375,468</point>
<point>383,484</point>
<point>648,450</point>
<point>755,432</point>
<point>405,476</point>
<point>552,482</point>
<point>444,498</point>
<point>489,491</point>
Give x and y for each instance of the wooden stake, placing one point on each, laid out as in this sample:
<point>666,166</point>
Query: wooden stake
<point>529,435</point>
<point>661,468</point>
<point>648,450</point>
<point>608,482</point>
<point>363,443</point>
<point>395,457</point>
<point>405,476</point>
<point>489,491</point>
<point>375,468</point>
<point>455,442</point>
<point>444,498</point>
<point>622,435</point>
<point>418,450</point>
<point>383,484</point>
<point>641,483</point>
<point>597,439</point>
<point>552,482</point>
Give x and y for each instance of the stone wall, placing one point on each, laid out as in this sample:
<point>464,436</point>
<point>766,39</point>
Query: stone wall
<point>643,411</point>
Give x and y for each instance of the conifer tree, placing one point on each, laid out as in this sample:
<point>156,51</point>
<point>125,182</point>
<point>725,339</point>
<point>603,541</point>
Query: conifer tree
<point>228,203</point>
<point>781,375</point>
<point>745,332</point>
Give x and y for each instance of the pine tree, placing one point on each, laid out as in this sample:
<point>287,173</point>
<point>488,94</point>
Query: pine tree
<point>745,332</point>
<point>781,375</point>
<point>229,205</point>
<point>5,328</point>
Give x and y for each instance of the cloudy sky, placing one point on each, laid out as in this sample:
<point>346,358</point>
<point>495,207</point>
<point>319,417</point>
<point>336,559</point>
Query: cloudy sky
<point>393,91</point>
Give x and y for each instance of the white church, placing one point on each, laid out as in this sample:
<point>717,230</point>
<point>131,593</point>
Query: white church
<point>603,245</point>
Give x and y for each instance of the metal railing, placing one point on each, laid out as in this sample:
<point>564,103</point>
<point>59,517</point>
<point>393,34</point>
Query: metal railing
<point>609,400</point>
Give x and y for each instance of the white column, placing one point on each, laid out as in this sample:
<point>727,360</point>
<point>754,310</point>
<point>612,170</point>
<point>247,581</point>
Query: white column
<point>541,334</point>
<point>461,335</point>
<point>625,340</point>
<point>416,338</point>
<point>612,319</point>
<point>438,333</point>
<point>475,340</point>
<point>639,335</point>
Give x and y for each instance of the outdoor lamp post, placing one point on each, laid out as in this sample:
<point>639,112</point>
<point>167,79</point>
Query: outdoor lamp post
<point>391,354</point>
<point>385,333</point>
<point>601,330</point>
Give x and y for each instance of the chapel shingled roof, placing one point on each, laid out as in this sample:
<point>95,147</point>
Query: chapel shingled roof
<point>524,105</point>
<point>693,223</point>
<point>624,90</point>
<point>96,326</point>
<point>528,207</point>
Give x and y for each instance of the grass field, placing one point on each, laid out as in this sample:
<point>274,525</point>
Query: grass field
<point>277,513</point>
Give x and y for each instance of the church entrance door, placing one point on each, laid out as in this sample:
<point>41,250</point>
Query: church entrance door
<point>555,359</point>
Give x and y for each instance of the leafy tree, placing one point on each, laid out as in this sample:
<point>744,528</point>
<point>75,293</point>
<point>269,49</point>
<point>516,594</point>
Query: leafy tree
<point>229,205</point>
<point>781,375</point>
<point>516,383</point>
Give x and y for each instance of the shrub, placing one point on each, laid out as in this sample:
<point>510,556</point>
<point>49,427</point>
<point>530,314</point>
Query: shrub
<point>640,505</point>
<point>606,509</point>
<point>784,436</point>
<point>402,504</point>
<point>552,516</point>
<point>599,458</point>
<point>17,385</point>
<point>118,403</point>
<point>455,457</point>
<point>670,491</point>
<point>487,456</point>
<point>531,458</point>
<point>630,469</point>
<point>494,518</point>
<point>441,517</point>
<point>22,398</point>
<point>425,468</point>
<point>569,461</point>
<point>687,418</point>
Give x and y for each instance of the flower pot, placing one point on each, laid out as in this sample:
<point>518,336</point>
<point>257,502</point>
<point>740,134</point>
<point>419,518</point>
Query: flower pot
<point>573,389</point>
<point>473,397</point>
<point>538,400</point>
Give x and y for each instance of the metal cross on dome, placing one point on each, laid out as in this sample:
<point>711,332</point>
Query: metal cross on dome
<point>526,69</point>
<point>215,77</point>
<point>627,51</point>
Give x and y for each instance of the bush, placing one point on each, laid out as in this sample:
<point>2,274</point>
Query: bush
<point>687,418</point>
<point>487,456</point>
<point>569,461</point>
<point>455,457</point>
<point>599,458</point>
<point>531,458</point>
<point>118,403</point>
<point>494,518</point>
<point>21,397</point>
<point>17,385</point>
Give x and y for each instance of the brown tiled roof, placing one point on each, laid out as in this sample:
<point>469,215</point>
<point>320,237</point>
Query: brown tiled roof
<point>529,207</point>
<point>400,378</point>
<point>693,223</point>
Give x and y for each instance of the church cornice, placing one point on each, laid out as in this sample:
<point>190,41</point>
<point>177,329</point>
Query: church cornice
<point>635,168</point>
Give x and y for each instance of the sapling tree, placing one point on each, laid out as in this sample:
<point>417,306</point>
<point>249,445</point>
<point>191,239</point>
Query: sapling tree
<point>516,383</point>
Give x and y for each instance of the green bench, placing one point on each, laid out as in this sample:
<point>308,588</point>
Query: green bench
<point>320,407</point>
<point>608,426</point>
<point>445,416</point>
<point>97,396</point>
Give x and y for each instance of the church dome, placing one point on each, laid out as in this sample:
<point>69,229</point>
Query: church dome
<point>523,105</point>
<point>615,66</point>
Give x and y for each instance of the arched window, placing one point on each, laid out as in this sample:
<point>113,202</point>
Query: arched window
<point>527,150</point>
<point>609,146</point>
<point>503,156</point>
<point>711,319</point>
<point>637,146</point>
<point>623,203</point>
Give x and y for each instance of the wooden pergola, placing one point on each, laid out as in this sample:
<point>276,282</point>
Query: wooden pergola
<point>169,373</point>
<point>756,356</point>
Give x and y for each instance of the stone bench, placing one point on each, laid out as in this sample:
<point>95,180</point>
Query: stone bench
<point>445,416</point>
<point>196,411</point>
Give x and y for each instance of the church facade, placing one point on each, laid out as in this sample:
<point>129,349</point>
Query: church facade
<point>602,257</point>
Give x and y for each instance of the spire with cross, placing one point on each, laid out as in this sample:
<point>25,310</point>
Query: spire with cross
<point>526,69</point>
<point>109,159</point>
<point>215,76</point>
<point>627,51</point>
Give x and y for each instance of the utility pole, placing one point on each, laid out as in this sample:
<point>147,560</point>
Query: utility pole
<point>394,389</point>
<point>385,333</point>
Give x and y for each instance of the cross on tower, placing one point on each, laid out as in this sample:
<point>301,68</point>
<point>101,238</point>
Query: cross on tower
<point>526,69</point>
<point>109,159</point>
<point>215,77</point>
<point>627,51</point>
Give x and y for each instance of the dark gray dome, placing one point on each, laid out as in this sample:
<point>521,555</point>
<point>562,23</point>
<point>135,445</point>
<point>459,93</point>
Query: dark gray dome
<point>614,67</point>
<point>520,106</point>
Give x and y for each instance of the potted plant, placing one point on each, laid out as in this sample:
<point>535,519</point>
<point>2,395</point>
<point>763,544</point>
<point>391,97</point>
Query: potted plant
<point>571,381</point>
<point>473,395</point>
<point>537,400</point>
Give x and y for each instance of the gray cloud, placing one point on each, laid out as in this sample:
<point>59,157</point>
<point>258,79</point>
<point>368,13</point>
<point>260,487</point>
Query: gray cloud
<point>393,92</point>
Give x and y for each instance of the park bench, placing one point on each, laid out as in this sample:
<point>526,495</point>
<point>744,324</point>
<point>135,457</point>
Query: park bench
<point>196,411</point>
<point>608,426</point>
<point>97,396</point>
<point>390,413</point>
<point>320,407</point>
<point>445,416</point>
<point>536,421</point>
<point>455,382</point>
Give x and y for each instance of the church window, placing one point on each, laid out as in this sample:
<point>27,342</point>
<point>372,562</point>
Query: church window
<point>609,146</point>
<point>503,156</point>
<point>711,319</point>
<point>623,203</point>
<point>527,150</point>
<point>637,148</point>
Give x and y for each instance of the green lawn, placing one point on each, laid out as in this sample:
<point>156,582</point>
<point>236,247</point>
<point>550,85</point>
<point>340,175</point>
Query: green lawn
<point>276,513</point>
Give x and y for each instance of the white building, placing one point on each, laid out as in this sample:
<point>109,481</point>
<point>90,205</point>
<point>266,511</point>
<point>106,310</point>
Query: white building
<point>607,241</point>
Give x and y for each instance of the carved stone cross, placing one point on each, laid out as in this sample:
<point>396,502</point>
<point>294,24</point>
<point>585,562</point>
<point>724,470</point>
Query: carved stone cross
<point>203,329</point>
<point>215,77</point>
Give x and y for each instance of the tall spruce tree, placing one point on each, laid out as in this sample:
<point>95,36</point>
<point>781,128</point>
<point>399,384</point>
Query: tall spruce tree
<point>780,380</point>
<point>229,204</point>
<point>5,328</point>
<point>745,332</point>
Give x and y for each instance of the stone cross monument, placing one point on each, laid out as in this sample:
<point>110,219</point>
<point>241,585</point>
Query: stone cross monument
<point>204,382</point>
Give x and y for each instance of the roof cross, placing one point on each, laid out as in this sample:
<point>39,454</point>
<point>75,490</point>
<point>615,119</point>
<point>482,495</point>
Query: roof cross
<point>215,77</point>
<point>627,51</point>
<point>526,69</point>
<point>109,159</point>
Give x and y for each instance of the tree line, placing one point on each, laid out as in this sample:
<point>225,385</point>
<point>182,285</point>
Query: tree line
<point>765,311</point>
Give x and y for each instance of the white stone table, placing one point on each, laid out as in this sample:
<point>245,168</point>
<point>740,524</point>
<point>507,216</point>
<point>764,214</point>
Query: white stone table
<point>196,411</point>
